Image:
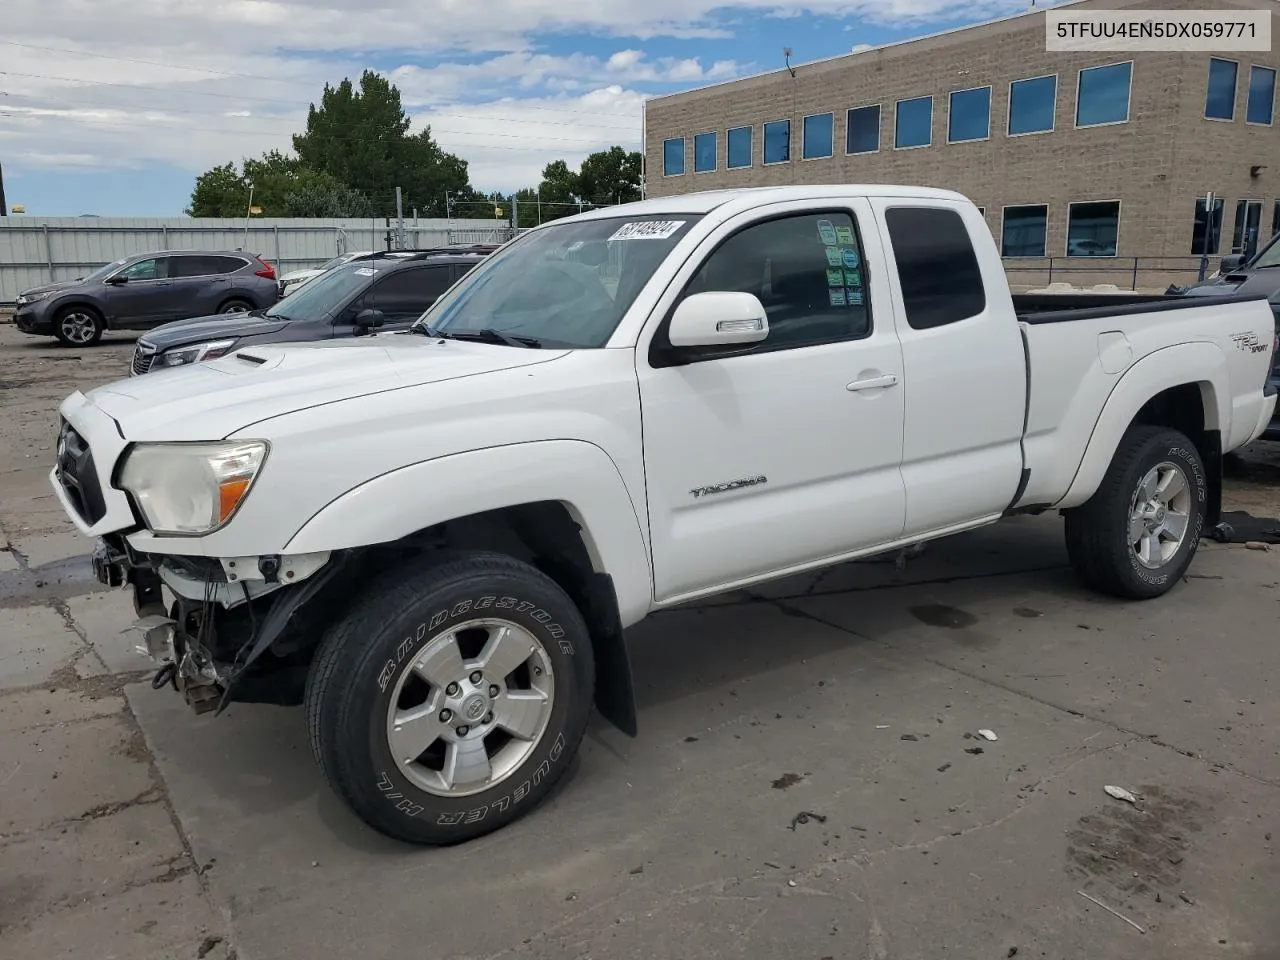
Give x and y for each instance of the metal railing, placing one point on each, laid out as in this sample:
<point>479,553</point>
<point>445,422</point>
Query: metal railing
<point>1128,270</point>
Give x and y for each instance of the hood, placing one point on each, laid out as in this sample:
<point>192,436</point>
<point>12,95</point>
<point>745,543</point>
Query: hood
<point>183,333</point>
<point>1265,282</point>
<point>214,399</point>
<point>51,287</point>
<point>299,275</point>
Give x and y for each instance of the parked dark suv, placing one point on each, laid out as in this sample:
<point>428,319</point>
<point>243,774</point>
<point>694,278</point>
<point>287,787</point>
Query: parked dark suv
<point>379,291</point>
<point>146,290</point>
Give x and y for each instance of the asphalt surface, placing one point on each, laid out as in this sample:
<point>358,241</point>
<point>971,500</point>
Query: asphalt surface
<point>808,782</point>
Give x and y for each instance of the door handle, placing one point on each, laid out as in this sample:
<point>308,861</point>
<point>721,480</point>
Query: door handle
<point>875,383</point>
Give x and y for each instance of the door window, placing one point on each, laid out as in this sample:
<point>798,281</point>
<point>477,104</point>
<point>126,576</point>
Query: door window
<point>937,267</point>
<point>808,272</point>
<point>153,269</point>
<point>202,266</point>
<point>407,293</point>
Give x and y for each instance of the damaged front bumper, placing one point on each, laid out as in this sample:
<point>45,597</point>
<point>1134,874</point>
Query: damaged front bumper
<point>226,614</point>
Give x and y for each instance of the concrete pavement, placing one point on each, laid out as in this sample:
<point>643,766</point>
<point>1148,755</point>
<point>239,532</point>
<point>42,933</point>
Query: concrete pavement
<point>808,781</point>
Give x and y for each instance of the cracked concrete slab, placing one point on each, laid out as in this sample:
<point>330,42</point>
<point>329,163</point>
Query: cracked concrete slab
<point>51,546</point>
<point>102,617</point>
<point>45,707</point>
<point>62,773</point>
<point>36,640</point>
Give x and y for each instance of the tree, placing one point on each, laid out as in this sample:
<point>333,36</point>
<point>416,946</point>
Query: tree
<point>282,186</point>
<point>610,176</point>
<point>361,138</point>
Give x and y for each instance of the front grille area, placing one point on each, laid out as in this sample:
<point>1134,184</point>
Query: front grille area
<point>143,356</point>
<point>78,476</point>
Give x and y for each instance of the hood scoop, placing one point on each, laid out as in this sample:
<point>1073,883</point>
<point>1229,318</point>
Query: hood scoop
<point>250,358</point>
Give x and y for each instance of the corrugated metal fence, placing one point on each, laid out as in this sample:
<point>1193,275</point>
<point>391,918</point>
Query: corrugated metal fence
<point>35,250</point>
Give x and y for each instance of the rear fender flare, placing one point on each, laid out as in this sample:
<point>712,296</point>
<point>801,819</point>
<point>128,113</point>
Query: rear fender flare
<point>1200,363</point>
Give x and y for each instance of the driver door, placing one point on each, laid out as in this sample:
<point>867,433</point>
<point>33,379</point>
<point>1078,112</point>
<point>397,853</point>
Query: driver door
<point>766,458</point>
<point>144,299</point>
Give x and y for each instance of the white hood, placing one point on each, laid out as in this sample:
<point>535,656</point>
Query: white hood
<point>213,400</point>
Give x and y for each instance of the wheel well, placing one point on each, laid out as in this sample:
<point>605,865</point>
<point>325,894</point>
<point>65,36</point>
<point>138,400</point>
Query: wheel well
<point>238,298</point>
<point>78,305</point>
<point>1187,409</point>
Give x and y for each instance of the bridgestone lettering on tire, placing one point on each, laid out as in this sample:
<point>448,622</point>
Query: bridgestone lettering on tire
<point>452,697</point>
<point>1136,536</point>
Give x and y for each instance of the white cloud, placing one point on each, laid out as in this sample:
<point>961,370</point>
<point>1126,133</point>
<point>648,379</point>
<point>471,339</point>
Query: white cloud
<point>115,83</point>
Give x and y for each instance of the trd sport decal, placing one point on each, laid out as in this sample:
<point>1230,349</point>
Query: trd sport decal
<point>726,487</point>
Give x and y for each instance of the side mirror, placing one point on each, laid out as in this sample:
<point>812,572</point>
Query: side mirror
<point>718,319</point>
<point>117,280</point>
<point>369,318</point>
<point>1232,262</point>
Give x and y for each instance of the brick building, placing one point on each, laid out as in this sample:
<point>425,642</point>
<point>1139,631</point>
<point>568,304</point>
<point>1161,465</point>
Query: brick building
<point>1082,161</point>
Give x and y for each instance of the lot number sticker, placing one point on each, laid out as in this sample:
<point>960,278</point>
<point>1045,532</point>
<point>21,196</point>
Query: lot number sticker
<point>647,230</point>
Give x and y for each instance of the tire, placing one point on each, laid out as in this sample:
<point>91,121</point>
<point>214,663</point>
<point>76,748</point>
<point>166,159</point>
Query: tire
<point>371,660</point>
<point>236,306</point>
<point>1120,542</point>
<point>78,326</point>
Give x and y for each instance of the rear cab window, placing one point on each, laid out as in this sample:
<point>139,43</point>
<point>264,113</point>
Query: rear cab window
<point>937,266</point>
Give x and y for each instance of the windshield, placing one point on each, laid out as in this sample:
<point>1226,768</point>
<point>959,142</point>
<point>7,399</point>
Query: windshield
<point>315,299</point>
<point>1270,257</point>
<point>564,285</point>
<point>336,262</point>
<point>104,270</point>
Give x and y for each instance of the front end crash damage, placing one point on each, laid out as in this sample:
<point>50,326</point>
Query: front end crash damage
<point>239,629</point>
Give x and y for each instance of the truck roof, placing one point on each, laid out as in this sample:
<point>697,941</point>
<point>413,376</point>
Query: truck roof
<point>705,201</point>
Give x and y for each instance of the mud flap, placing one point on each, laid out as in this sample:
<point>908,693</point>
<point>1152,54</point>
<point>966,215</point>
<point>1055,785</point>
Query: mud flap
<point>615,689</point>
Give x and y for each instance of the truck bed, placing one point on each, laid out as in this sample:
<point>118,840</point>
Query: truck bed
<point>1037,308</point>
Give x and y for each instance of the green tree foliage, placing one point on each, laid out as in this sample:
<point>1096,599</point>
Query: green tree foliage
<point>360,137</point>
<point>282,186</point>
<point>610,176</point>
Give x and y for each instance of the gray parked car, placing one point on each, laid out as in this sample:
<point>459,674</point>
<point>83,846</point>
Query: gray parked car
<point>146,290</point>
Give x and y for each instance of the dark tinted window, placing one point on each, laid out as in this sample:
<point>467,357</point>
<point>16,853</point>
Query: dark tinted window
<point>1262,95</point>
<point>202,266</point>
<point>969,115</point>
<point>739,147</point>
<point>1032,105</point>
<point>1206,231</point>
<point>1024,230</point>
<point>1103,95</point>
<point>937,266</point>
<point>1220,91</point>
<point>1093,228</point>
<point>807,271</point>
<point>862,130</point>
<point>408,292</point>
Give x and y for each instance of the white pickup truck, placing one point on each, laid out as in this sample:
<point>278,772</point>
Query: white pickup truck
<point>434,539</point>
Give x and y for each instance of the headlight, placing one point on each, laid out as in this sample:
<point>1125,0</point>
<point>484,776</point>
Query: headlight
<point>195,353</point>
<point>31,297</point>
<point>189,489</point>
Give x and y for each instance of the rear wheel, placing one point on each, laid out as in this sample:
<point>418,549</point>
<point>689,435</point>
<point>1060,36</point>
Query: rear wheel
<point>236,306</point>
<point>451,700</point>
<point>78,327</point>
<point>1136,536</point>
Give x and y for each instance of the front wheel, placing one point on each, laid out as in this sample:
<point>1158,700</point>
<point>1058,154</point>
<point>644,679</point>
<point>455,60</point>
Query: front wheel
<point>78,327</point>
<point>449,702</point>
<point>235,306</point>
<point>1136,536</point>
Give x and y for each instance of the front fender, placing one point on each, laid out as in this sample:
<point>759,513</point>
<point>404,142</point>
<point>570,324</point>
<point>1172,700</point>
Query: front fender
<point>1200,363</point>
<point>575,473</point>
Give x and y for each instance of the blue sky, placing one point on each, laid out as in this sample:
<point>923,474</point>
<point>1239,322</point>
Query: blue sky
<point>113,108</point>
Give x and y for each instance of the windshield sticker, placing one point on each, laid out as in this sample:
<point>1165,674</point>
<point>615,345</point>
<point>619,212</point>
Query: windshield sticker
<point>647,230</point>
<point>850,257</point>
<point>853,278</point>
<point>837,296</point>
<point>844,235</point>
<point>835,278</point>
<point>365,271</point>
<point>855,297</point>
<point>833,256</point>
<point>827,232</point>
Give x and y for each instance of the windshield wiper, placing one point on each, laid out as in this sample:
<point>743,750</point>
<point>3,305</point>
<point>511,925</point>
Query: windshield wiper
<point>487,335</point>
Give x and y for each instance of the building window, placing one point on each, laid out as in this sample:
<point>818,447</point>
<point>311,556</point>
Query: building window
<point>777,141</point>
<point>914,124</point>
<point>1024,231</point>
<point>1275,218</point>
<point>1262,96</point>
<point>673,157</point>
<point>1103,94</point>
<point>969,115</point>
<point>862,130</point>
<point>1093,228</point>
<point>739,144</point>
<point>1033,105</point>
<point>1244,236</point>
<point>818,133</point>
<point>937,267</point>
<point>704,153</point>
<point>1220,91</point>
<point>1206,233</point>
